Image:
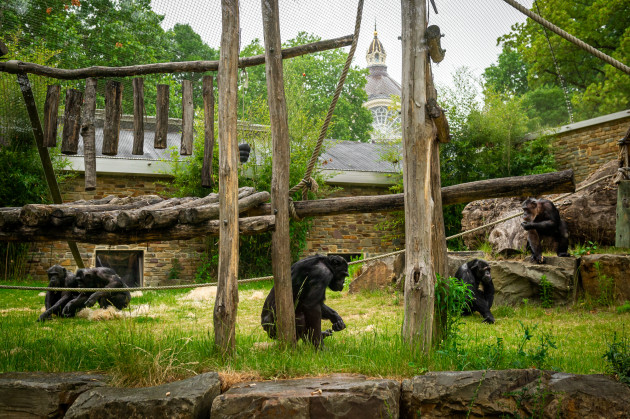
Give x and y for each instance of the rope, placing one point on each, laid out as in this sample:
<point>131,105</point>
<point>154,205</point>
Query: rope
<point>307,179</point>
<point>586,47</point>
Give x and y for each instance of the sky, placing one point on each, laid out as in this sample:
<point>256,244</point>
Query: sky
<point>471,29</point>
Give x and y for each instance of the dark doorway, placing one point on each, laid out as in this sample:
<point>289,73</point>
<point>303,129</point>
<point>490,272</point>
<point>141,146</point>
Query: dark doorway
<point>128,264</point>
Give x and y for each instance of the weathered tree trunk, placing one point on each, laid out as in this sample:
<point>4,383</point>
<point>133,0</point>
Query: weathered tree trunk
<point>208,119</point>
<point>113,112</point>
<point>280,246</point>
<point>418,147</point>
<point>622,236</point>
<point>51,110</point>
<point>188,115</point>
<point>247,226</point>
<point>227,288</point>
<point>161,116</point>
<point>138,117</point>
<point>88,132</point>
<point>71,122</point>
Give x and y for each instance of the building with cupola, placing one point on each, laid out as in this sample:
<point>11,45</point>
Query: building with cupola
<point>380,87</point>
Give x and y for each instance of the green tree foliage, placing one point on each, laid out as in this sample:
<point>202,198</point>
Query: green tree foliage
<point>595,88</point>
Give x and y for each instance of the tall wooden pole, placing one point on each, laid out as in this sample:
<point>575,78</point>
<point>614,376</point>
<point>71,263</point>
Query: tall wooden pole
<point>208,119</point>
<point>227,287</point>
<point>418,149</point>
<point>280,250</point>
<point>88,132</point>
<point>622,236</point>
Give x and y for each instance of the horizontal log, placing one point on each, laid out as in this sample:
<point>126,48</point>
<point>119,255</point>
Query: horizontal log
<point>66,214</point>
<point>110,220</point>
<point>9,216</point>
<point>246,201</point>
<point>523,186</point>
<point>247,226</point>
<point>17,67</point>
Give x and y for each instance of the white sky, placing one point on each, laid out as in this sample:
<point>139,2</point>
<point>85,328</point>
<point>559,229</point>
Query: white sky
<point>471,28</point>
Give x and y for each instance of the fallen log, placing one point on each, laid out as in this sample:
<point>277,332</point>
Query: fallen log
<point>523,186</point>
<point>247,226</point>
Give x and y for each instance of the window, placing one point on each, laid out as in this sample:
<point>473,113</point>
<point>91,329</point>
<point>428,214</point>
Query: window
<point>128,264</point>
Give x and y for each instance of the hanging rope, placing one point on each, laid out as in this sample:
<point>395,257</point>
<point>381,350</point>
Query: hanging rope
<point>307,181</point>
<point>586,47</point>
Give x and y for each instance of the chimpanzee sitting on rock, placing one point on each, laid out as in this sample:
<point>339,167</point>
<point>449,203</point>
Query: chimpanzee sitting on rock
<point>55,301</point>
<point>542,218</point>
<point>474,273</point>
<point>99,278</point>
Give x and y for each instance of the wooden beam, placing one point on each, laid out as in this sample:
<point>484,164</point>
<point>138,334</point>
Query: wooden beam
<point>49,173</point>
<point>418,145</point>
<point>88,132</point>
<point>15,66</point>
<point>280,244</point>
<point>51,110</point>
<point>208,119</point>
<point>188,116</point>
<point>138,116</point>
<point>113,113</point>
<point>227,287</point>
<point>71,122</point>
<point>161,116</point>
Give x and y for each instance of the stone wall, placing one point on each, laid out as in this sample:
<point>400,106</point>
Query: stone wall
<point>159,257</point>
<point>586,145</point>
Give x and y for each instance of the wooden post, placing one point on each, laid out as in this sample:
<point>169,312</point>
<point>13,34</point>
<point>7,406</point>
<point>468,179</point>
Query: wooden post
<point>280,245</point>
<point>49,173</point>
<point>88,132</point>
<point>138,116</point>
<point>113,112</point>
<point>51,109</point>
<point>208,119</point>
<point>161,116</point>
<point>622,236</point>
<point>227,288</point>
<point>188,116</point>
<point>71,122</point>
<point>418,148</point>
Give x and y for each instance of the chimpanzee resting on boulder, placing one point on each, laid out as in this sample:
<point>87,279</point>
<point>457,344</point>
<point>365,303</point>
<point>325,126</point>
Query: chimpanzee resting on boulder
<point>473,273</point>
<point>541,218</point>
<point>55,301</point>
<point>309,278</point>
<point>99,278</point>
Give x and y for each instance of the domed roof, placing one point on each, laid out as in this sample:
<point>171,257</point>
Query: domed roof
<point>379,84</point>
<point>376,54</point>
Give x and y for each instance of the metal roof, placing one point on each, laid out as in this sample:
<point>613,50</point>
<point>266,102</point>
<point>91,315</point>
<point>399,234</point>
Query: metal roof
<point>351,156</point>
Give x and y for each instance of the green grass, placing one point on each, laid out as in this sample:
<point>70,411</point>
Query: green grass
<point>173,338</point>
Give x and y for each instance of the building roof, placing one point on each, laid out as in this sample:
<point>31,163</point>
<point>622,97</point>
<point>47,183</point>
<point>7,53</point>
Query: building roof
<point>380,85</point>
<point>352,156</point>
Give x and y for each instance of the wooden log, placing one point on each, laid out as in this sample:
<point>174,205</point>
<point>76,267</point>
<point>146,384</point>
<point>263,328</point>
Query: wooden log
<point>531,185</point>
<point>188,116</point>
<point>622,234</point>
<point>434,35</point>
<point>247,226</point>
<point>9,216</point>
<point>19,67</point>
<point>113,113</point>
<point>51,110</point>
<point>280,245</point>
<point>227,287</point>
<point>207,212</point>
<point>91,217</point>
<point>436,113</point>
<point>88,132</point>
<point>206,209</point>
<point>160,218</point>
<point>138,117</point>
<point>71,122</point>
<point>208,119</point>
<point>130,219</point>
<point>68,213</point>
<point>161,116</point>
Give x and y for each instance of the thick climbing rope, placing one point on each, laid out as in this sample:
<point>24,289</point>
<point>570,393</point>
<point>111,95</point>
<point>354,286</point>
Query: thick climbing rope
<point>307,181</point>
<point>586,47</point>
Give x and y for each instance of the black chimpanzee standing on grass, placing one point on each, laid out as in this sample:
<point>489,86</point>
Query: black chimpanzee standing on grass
<point>55,301</point>
<point>309,278</point>
<point>99,278</point>
<point>541,218</point>
<point>475,273</point>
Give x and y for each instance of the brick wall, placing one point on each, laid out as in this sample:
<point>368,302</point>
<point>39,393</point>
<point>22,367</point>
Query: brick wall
<point>586,145</point>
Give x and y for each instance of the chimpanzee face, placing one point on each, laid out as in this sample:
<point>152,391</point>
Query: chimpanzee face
<point>80,278</point>
<point>56,276</point>
<point>529,209</point>
<point>340,272</point>
<point>481,271</point>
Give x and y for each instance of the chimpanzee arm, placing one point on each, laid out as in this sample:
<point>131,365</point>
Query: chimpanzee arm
<point>481,305</point>
<point>75,305</point>
<point>336,320</point>
<point>534,244</point>
<point>56,308</point>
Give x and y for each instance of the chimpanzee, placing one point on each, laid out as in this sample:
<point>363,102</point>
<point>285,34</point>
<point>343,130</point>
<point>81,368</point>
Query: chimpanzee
<point>541,218</point>
<point>309,279</point>
<point>473,273</point>
<point>55,301</point>
<point>99,278</point>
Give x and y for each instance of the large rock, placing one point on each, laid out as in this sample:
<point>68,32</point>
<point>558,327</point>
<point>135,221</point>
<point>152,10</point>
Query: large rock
<point>324,397</point>
<point>190,398</point>
<point>590,215</point>
<point>379,274</point>
<point>516,280</point>
<point>43,395</point>
<point>513,393</point>
<point>597,270</point>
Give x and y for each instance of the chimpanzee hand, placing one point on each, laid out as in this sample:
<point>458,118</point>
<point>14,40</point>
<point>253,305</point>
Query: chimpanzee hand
<point>327,333</point>
<point>92,300</point>
<point>527,225</point>
<point>338,325</point>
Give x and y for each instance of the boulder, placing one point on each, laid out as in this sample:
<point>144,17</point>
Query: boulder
<point>513,393</point>
<point>590,215</point>
<point>190,398</point>
<point>598,272</point>
<point>347,396</point>
<point>43,395</point>
<point>379,274</point>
